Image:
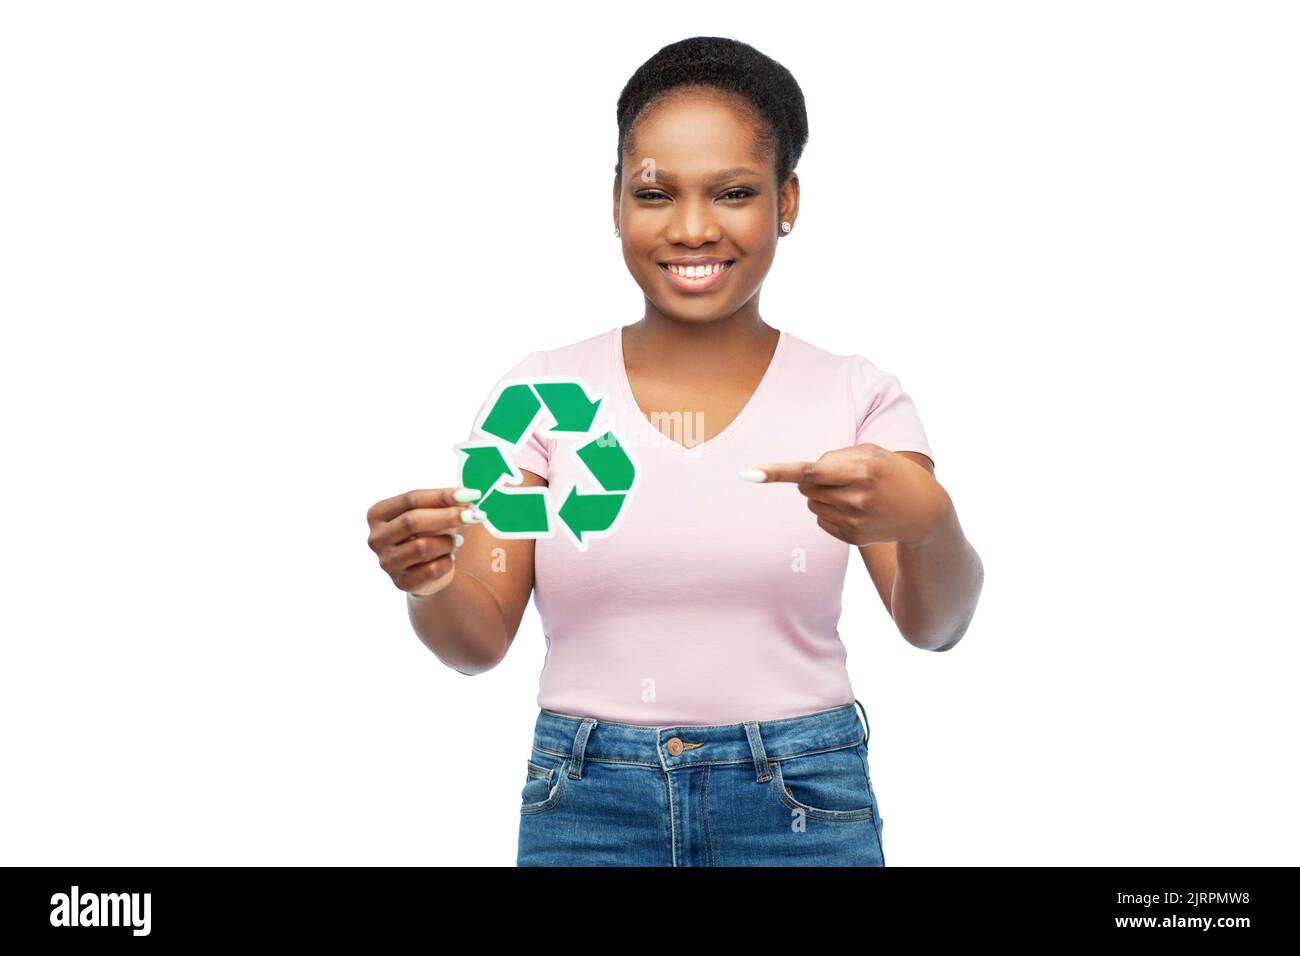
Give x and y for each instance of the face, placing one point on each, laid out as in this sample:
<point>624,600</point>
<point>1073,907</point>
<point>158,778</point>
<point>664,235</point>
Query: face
<point>694,186</point>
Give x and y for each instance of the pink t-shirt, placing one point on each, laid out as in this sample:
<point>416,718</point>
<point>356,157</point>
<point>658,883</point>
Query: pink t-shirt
<point>714,600</point>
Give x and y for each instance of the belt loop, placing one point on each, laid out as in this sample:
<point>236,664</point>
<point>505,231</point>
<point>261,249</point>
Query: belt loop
<point>580,747</point>
<point>756,748</point>
<point>864,720</point>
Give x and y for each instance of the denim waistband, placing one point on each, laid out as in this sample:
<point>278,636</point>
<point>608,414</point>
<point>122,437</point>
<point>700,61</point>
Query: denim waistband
<point>676,746</point>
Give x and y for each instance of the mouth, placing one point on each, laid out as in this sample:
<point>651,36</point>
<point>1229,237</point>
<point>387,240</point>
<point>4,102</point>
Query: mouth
<point>696,278</point>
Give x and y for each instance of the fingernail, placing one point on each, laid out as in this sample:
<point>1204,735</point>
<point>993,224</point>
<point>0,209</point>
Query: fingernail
<point>471,516</point>
<point>752,474</point>
<point>467,494</point>
<point>460,539</point>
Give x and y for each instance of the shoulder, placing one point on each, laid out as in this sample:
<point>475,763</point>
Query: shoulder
<point>599,345</point>
<point>590,350</point>
<point>566,358</point>
<point>847,364</point>
<point>863,380</point>
<point>804,351</point>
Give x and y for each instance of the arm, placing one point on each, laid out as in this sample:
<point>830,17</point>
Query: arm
<point>471,623</point>
<point>931,587</point>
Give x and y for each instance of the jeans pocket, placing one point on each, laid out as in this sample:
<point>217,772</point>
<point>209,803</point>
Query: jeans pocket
<point>831,785</point>
<point>544,781</point>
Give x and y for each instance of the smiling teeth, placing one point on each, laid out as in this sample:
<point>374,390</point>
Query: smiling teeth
<point>698,272</point>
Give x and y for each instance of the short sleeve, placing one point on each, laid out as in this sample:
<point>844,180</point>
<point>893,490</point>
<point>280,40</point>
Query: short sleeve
<point>885,414</point>
<point>534,454</point>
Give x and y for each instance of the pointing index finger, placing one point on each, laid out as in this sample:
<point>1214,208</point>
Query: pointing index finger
<point>796,471</point>
<point>827,472</point>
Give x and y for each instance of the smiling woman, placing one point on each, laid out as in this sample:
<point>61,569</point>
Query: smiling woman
<point>694,705</point>
<point>710,131</point>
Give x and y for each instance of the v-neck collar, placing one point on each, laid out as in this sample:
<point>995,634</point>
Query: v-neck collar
<point>625,384</point>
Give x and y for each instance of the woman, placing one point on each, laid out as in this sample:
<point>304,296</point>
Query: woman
<point>695,708</point>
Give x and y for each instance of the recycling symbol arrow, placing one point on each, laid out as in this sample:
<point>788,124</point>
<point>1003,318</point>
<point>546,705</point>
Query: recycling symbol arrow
<point>520,409</point>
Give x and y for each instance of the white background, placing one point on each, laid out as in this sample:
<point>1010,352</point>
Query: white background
<point>260,262</point>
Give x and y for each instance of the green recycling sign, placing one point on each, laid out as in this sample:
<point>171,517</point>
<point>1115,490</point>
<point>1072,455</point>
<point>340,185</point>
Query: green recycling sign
<point>562,408</point>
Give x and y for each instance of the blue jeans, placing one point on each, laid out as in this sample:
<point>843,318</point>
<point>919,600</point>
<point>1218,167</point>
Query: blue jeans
<point>790,792</point>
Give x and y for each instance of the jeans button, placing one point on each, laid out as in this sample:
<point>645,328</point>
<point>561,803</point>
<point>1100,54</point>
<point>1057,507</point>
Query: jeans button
<point>675,746</point>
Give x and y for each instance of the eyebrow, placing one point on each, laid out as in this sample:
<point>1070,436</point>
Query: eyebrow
<point>660,174</point>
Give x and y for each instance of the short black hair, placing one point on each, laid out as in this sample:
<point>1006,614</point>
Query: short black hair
<point>763,86</point>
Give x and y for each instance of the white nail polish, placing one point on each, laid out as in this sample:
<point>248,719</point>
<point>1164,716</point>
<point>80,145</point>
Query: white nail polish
<point>460,539</point>
<point>467,516</point>
<point>466,494</point>
<point>752,474</point>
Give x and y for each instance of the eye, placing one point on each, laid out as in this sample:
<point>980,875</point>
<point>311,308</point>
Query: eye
<point>653,195</point>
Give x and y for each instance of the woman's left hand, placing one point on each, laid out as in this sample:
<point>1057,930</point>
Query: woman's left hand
<point>865,494</point>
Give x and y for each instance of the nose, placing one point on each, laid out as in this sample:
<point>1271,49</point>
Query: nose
<point>694,223</point>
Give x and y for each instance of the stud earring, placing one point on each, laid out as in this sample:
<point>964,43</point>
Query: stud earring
<point>785,227</point>
<point>616,232</point>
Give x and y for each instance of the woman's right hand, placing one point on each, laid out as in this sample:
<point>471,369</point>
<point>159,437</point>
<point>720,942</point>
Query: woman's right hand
<point>416,536</point>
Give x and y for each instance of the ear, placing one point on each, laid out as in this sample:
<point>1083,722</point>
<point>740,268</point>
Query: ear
<point>618,195</point>
<point>789,204</point>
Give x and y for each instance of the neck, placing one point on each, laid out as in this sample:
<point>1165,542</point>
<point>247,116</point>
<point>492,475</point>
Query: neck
<point>700,346</point>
